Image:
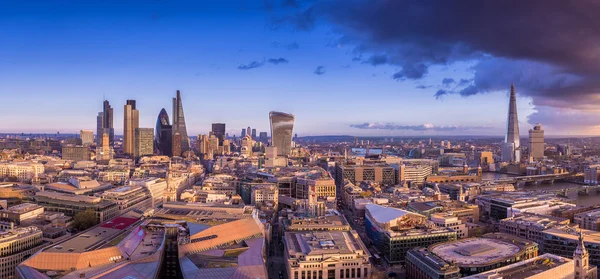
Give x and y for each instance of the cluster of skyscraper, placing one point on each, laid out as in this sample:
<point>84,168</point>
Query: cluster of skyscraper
<point>172,139</point>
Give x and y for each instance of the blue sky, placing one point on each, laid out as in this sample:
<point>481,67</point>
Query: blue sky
<point>59,58</point>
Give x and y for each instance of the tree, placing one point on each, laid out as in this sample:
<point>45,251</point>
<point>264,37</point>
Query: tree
<point>85,219</point>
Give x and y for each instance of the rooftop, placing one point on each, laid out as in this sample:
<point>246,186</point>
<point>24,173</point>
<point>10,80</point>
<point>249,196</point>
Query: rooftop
<point>525,269</point>
<point>475,251</point>
<point>318,243</point>
<point>383,214</point>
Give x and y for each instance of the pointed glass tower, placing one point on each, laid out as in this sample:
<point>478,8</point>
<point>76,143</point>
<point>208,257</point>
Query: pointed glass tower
<point>512,128</point>
<point>179,124</point>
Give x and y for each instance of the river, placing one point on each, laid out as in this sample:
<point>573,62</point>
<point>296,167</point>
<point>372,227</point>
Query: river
<point>592,199</point>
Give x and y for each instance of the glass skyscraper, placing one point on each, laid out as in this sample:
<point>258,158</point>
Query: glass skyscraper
<point>179,124</point>
<point>163,137</point>
<point>282,125</point>
<point>104,124</point>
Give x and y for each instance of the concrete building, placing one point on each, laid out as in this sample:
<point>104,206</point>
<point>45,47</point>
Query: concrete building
<point>144,142</point>
<point>530,226</point>
<point>475,255</point>
<point>448,220</point>
<point>485,158</point>
<point>70,204</point>
<point>129,197</point>
<point>218,130</point>
<point>104,151</point>
<point>564,240</point>
<point>17,245</point>
<point>415,173</point>
<point>86,136</point>
<point>265,195</point>
<point>422,264</point>
<point>131,121</point>
<point>22,171</point>
<point>536,142</point>
<point>21,212</point>
<point>589,220</point>
<point>75,153</point>
<point>541,267</point>
<point>332,254</point>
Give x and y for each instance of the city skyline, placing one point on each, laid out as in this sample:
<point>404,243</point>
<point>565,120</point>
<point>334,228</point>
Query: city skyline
<point>277,65</point>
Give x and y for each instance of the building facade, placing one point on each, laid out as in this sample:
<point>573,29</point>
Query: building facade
<point>282,126</point>
<point>144,142</point>
<point>179,126</point>
<point>131,121</point>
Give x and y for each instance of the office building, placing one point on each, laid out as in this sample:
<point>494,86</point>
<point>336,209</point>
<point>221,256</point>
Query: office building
<point>22,171</point>
<point>163,139</point>
<point>218,129</point>
<point>263,137</point>
<point>71,204</point>
<point>479,254</point>
<point>395,231</point>
<point>86,136</point>
<point>485,158</point>
<point>264,195</point>
<point>177,148</point>
<point>21,212</point>
<point>243,134</point>
<point>104,151</point>
<point>17,245</point>
<point>512,130</point>
<point>565,240</point>
<point>282,126</point>
<point>131,121</point>
<point>536,142</point>
<point>530,226</point>
<point>383,174</point>
<point>329,254</point>
<point>144,142</point>
<point>179,126</point>
<point>422,264</point>
<point>254,134</point>
<point>541,267</point>
<point>105,124</point>
<point>75,153</point>
<point>589,220</point>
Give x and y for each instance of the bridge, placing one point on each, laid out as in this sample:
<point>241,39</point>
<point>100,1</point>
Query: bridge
<point>537,179</point>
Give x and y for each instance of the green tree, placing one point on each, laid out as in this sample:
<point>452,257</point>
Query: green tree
<point>85,219</point>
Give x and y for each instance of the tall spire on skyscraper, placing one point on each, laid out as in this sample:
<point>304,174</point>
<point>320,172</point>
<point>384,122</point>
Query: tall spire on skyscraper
<point>179,124</point>
<point>512,127</point>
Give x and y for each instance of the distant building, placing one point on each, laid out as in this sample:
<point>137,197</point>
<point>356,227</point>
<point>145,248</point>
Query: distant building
<point>512,131</point>
<point>163,139</point>
<point>589,220</point>
<point>218,129</point>
<point>485,158</point>
<point>105,124</point>
<point>177,148</point>
<point>422,264</point>
<point>144,142</point>
<point>71,204</point>
<point>179,126</point>
<point>536,142</point>
<point>75,153</point>
<point>131,121</point>
<point>383,174</point>
<point>254,134</point>
<point>263,137</point>
<point>104,151</point>
<point>247,144</point>
<point>87,137</point>
<point>282,125</point>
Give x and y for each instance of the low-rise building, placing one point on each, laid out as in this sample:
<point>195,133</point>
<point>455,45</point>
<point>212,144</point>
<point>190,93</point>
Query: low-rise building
<point>17,245</point>
<point>541,267</point>
<point>21,212</point>
<point>333,254</point>
<point>70,204</point>
<point>530,226</point>
<point>589,220</point>
<point>422,264</point>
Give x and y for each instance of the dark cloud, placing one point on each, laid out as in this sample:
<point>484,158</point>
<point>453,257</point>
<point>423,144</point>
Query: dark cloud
<point>448,81</point>
<point>251,65</point>
<point>440,93</point>
<point>550,49</point>
<point>378,59</point>
<point>320,70</point>
<point>422,127</point>
<point>423,86</point>
<point>276,61</point>
<point>356,59</point>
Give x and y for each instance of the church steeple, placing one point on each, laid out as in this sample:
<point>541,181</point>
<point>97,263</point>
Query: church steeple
<point>581,258</point>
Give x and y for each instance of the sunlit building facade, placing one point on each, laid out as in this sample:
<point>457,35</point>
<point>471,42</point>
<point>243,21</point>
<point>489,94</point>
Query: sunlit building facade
<point>282,126</point>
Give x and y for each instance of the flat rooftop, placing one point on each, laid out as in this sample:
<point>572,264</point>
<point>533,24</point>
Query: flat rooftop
<point>318,243</point>
<point>475,251</point>
<point>525,269</point>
